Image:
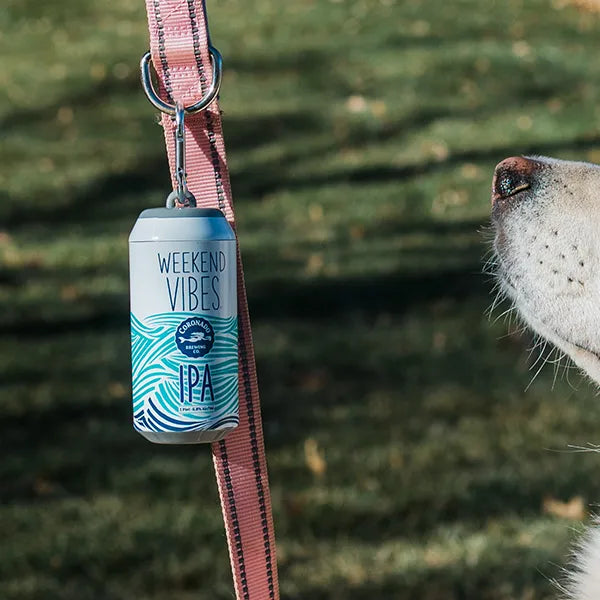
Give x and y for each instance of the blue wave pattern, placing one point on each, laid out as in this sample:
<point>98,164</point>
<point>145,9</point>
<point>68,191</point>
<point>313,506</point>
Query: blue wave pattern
<point>156,362</point>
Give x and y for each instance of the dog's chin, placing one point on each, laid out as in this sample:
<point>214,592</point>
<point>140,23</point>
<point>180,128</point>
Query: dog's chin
<point>584,358</point>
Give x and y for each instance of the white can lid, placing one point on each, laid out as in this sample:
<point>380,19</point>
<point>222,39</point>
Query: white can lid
<point>181,224</point>
<point>179,213</point>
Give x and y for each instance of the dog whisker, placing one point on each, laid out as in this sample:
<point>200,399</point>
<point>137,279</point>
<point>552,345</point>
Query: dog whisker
<point>500,296</point>
<point>535,376</point>
<point>543,359</point>
<point>537,342</point>
<point>589,448</point>
<point>506,313</point>
<point>557,360</point>
<point>556,370</point>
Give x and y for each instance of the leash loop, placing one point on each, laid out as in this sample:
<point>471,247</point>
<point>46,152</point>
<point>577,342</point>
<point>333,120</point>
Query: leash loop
<point>170,109</point>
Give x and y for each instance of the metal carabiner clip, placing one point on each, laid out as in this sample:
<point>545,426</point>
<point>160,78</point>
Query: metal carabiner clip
<point>181,196</point>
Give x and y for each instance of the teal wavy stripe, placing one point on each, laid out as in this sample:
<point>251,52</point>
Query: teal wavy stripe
<point>156,361</point>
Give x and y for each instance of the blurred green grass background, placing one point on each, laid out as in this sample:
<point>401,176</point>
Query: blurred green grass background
<point>406,459</point>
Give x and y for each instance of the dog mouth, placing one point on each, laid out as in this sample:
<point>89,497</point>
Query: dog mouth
<point>586,350</point>
<point>581,353</point>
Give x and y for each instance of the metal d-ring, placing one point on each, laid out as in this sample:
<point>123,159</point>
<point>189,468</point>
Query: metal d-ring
<point>170,109</point>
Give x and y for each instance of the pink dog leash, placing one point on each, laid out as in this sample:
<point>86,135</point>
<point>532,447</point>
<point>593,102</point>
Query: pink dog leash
<point>179,45</point>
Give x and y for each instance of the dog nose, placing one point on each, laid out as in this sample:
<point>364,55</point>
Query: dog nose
<point>512,176</point>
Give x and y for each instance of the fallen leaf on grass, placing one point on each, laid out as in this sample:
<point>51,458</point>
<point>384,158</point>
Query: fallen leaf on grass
<point>573,509</point>
<point>314,264</point>
<point>586,5</point>
<point>313,457</point>
<point>69,293</point>
<point>117,390</point>
<point>294,505</point>
<point>313,381</point>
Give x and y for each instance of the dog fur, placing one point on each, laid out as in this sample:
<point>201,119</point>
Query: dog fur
<point>547,258</point>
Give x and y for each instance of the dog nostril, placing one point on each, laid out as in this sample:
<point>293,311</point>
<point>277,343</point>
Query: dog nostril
<point>509,183</point>
<point>512,175</point>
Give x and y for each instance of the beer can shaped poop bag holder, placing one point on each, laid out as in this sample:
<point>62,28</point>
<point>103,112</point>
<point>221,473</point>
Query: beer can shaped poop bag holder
<point>184,326</point>
<point>184,339</point>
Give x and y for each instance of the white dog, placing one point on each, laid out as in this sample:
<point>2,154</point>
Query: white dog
<point>546,217</point>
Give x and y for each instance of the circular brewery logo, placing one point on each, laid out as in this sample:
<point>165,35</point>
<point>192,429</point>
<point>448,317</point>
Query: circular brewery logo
<point>195,337</point>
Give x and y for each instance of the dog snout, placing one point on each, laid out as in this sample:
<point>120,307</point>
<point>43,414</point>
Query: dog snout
<point>512,176</point>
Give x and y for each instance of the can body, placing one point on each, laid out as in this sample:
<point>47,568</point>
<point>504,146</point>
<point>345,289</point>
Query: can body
<point>184,335</point>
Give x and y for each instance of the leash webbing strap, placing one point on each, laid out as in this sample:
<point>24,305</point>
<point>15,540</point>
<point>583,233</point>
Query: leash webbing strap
<point>179,47</point>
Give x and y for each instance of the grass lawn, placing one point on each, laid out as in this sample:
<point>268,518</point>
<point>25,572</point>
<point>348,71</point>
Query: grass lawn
<point>406,459</point>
